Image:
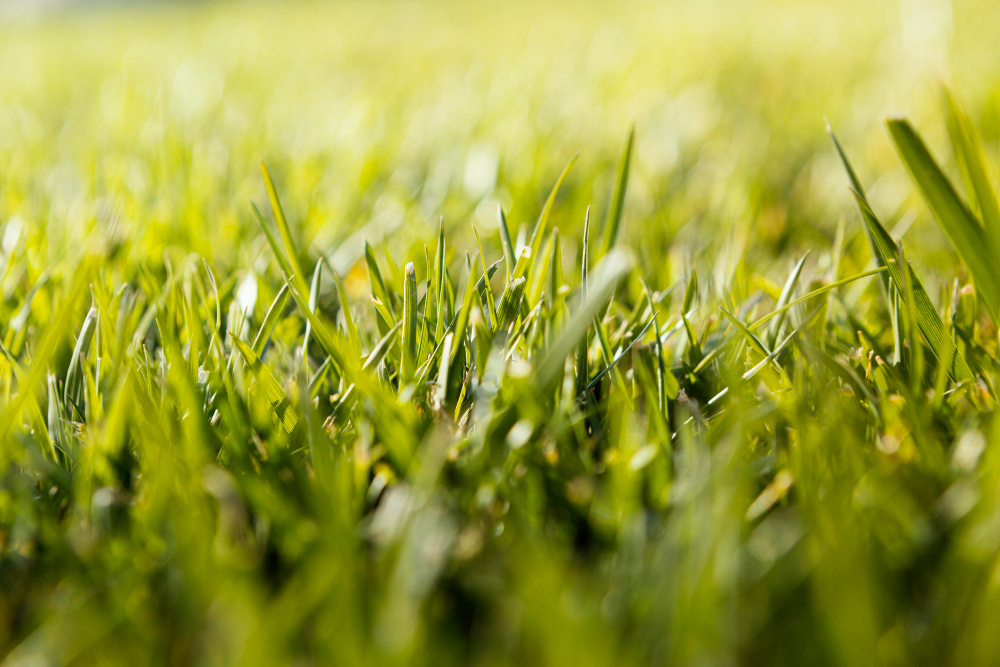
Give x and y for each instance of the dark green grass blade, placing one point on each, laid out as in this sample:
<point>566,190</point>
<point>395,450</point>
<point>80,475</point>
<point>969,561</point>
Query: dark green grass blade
<point>462,319</point>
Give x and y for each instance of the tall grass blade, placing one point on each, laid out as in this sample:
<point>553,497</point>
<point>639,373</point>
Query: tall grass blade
<point>613,222</point>
<point>959,224</point>
<point>971,160</point>
<point>409,324</point>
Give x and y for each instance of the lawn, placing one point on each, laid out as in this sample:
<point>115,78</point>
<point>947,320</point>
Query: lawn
<point>500,333</point>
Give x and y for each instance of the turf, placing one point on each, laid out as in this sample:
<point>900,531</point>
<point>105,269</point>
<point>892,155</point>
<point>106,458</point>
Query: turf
<point>440,334</point>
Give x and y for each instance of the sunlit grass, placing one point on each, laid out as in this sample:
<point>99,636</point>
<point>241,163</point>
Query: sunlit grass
<point>498,335</point>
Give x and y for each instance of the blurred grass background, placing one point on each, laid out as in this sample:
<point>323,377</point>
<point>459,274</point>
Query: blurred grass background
<point>155,115</point>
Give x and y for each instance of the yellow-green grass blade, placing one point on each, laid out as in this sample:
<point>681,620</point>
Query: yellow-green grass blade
<point>968,147</point>
<point>273,392</point>
<point>335,345</point>
<point>613,222</point>
<point>615,265</point>
<point>280,220</point>
<point>816,292</point>
<point>538,232</point>
<point>73,391</point>
<point>755,342</point>
<point>270,320</point>
<point>345,309</point>
<point>462,319</point>
<point>505,241</point>
<point>786,294</point>
<point>487,290</point>
<point>409,323</point>
<point>510,304</point>
<point>381,348</point>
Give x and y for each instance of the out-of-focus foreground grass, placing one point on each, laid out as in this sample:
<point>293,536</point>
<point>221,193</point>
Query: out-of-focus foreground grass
<point>169,495</point>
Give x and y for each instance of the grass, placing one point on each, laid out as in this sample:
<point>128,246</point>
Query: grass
<point>506,389</point>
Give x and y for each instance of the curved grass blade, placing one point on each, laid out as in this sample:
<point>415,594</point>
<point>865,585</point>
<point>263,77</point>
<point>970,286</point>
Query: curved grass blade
<point>613,223</point>
<point>755,342</point>
<point>271,319</point>
<point>313,302</point>
<point>275,395</point>
<point>543,218</point>
<point>73,391</point>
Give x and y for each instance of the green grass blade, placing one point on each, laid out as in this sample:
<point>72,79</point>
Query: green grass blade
<point>965,232</point>
<point>856,185</point>
<point>275,395</point>
<point>279,219</point>
<point>538,232</point>
<point>381,348</point>
<point>615,265</point>
<point>816,292</point>
<point>487,289</point>
<point>620,355</point>
<point>505,241</point>
<point>334,344</point>
<point>271,319</point>
<point>786,294</point>
<point>927,317</point>
<point>583,349</point>
<point>971,159</point>
<point>510,304</point>
<point>345,310</point>
<point>462,319</point>
<point>613,222</point>
<point>287,266</point>
<point>73,391</point>
<point>409,323</point>
<point>755,342</point>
